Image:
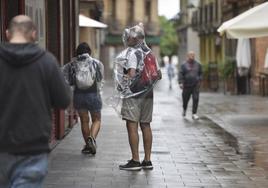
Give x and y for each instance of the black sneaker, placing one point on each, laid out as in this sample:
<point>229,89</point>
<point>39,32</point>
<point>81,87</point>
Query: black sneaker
<point>92,144</point>
<point>183,113</point>
<point>86,150</point>
<point>131,165</point>
<point>147,165</point>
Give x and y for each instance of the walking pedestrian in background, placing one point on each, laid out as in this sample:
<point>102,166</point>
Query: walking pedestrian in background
<point>31,83</point>
<point>85,73</point>
<point>190,76</point>
<point>170,72</point>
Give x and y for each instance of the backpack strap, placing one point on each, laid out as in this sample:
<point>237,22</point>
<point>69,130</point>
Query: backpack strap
<point>96,66</point>
<point>71,72</point>
<point>138,54</point>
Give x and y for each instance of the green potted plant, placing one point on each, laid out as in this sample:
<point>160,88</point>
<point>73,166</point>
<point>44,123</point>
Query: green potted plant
<point>205,76</point>
<point>226,72</point>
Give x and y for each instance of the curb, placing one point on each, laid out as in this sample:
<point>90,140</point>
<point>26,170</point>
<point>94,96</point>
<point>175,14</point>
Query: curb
<point>241,146</point>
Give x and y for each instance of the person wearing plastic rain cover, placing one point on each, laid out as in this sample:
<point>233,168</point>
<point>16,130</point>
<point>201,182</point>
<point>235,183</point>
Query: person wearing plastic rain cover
<point>137,107</point>
<point>87,98</point>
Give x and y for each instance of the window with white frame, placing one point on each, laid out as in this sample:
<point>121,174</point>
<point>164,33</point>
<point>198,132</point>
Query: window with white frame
<point>36,10</point>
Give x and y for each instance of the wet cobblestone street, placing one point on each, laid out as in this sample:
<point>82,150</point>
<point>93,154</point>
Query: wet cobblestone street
<point>185,153</point>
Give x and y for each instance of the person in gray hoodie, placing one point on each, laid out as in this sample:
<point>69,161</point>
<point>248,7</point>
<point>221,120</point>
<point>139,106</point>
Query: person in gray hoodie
<point>31,84</point>
<point>190,76</point>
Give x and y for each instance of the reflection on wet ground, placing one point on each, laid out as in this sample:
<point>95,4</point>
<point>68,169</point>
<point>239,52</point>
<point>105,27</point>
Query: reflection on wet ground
<point>185,153</point>
<point>244,124</point>
<point>252,149</point>
<point>227,137</point>
<point>240,147</point>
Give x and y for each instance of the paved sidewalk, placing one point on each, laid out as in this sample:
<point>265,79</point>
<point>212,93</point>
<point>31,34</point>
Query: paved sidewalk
<point>185,153</point>
<point>245,118</point>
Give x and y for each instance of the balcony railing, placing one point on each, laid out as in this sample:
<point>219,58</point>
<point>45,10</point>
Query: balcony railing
<point>116,27</point>
<point>206,19</point>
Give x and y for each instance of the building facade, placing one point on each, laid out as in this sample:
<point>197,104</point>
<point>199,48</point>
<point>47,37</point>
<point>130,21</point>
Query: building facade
<point>218,53</point>
<point>92,34</point>
<point>256,81</point>
<point>188,38</point>
<point>57,26</point>
<point>205,20</point>
<point>119,14</point>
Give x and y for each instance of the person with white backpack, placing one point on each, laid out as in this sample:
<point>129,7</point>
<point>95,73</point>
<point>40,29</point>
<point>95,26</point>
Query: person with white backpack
<point>86,75</point>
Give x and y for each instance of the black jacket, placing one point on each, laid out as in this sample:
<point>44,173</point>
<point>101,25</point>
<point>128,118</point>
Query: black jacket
<point>31,84</point>
<point>190,74</point>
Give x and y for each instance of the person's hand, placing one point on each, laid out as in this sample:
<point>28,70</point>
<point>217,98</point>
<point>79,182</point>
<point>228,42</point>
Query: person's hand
<point>181,86</point>
<point>159,74</point>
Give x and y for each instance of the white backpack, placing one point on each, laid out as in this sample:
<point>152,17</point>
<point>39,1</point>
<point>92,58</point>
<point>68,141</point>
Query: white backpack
<point>85,73</point>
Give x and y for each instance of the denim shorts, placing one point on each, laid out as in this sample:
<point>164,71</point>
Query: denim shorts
<point>88,101</point>
<point>24,171</point>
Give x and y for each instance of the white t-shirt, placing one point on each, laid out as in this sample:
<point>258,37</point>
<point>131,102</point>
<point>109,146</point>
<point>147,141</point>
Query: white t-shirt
<point>130,58</point>
<point>134,58</point>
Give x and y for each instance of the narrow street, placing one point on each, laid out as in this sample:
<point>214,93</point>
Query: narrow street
<point>227,147</point>
<point>185,153</point>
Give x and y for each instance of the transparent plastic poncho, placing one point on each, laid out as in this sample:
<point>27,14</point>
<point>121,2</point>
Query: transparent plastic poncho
<point>147,71</point>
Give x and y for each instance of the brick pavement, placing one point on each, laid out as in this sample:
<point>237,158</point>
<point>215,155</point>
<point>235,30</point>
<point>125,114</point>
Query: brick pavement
<point>185,154</point>
<point>245,118</point>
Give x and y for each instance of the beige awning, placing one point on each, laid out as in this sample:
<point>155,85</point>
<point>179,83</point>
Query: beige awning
<point>85,21</point>
<point>250,24</point>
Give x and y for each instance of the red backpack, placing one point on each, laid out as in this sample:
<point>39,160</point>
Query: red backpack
<point>148,76</point>
<point>150,73</point>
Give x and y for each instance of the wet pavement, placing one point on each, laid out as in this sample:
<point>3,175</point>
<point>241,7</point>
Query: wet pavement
<point>245,118</point>
<point>209,152</point>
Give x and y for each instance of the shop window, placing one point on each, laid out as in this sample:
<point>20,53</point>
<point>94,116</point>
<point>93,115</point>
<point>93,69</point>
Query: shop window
<point>147,10</point>
<point>52,28</point>
<point>130,11</point>
<point>210,14</point>
<point>36,10</point>
<point>113,11</point>
<point>216,16</point>
<point>66,21</point>
<point>9,11</point>
<point>200,16</point>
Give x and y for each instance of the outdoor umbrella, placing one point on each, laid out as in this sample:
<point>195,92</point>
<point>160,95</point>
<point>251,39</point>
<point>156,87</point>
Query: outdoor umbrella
<point>250,24</point>
<point>266,60</point>
<point>85,21</point>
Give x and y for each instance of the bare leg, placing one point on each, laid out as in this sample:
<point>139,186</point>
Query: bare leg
<point>147,140</point>
<point>96,123</point>
<point>133,138</point>
<point>84,118</point>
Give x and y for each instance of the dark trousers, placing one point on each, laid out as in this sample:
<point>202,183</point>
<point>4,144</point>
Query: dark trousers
<point>186,94</point>
<point>241,85</point>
